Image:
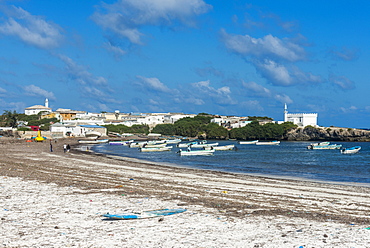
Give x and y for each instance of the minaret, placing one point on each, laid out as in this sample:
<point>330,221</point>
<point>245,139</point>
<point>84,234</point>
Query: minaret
<point>46,102</point>
<point>285,113</point>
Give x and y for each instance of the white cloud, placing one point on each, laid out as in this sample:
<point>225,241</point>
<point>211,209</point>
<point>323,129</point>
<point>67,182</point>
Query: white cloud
<point>2,90</point>
<point>94,92</point>
<point>205,87</point>
<point>117,51</point>
<point>80,74</point>
<point>153,102</point>
<point>276,73</point>
<point>283,98</point>
<point>126,17</point>
<point>342,82</point>
<point>281,75</point>
<point>272,57</point>
<point>257,89</point>
<point>349,109</point>
<point>268,46</point>
<point>346,54</point>
<point>31,29</point>
<point>152,84</point>
<point>33,90</point>
<point>221,95</point>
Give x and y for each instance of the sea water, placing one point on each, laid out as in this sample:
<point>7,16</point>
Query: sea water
<point>287,160</point>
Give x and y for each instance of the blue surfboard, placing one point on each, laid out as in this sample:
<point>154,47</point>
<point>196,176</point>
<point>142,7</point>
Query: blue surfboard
<point>144,214</point>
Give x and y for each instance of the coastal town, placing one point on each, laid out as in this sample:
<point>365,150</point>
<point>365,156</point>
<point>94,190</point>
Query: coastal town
<point>75,123</point>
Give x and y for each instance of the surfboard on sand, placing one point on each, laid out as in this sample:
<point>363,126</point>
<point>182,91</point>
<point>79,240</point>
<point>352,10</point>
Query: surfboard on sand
<point>144,214</point>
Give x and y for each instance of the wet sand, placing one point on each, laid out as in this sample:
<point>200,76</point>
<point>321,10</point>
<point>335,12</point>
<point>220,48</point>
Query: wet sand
<point>55,199</point>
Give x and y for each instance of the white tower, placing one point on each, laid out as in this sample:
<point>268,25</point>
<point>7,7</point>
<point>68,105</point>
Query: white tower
<point>46,102</point>
<point>285,113</point>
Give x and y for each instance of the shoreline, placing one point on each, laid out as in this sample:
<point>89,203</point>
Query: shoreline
<point>224,209</point>
<point>271,176</point>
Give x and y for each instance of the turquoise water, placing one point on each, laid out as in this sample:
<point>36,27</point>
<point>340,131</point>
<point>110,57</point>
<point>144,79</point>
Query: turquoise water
<point>289,159</point>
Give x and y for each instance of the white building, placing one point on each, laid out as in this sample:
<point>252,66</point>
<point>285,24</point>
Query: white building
<point>300,119</point>
<point>231,122</point>
<point>171,118</point>
<point>60,130</point>
<point>34,110</point>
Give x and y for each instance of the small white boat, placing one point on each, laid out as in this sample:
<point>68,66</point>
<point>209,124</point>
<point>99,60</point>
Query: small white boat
<point>324,146</point>
<point>196,152</point>
<point>120,143</point>
<point>186,144</point>
<point>203,144</point>
<point>248,142</point>
<point>92,134</point>
<point>141,144</point>
<point>351,150</point>
<point>264,143</point>
<point>93,141</point>
<point>154,145</point>
<point>220,148</point>
<point>156,149</point>
<point>173,141</point>
<point>325,143</point>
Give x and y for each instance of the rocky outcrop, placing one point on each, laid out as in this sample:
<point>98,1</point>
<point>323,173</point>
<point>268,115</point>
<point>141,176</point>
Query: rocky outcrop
<point>328,134</point>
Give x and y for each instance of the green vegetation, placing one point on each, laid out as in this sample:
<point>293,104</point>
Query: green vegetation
<point>24,129</point>
<point>11,119</point>
<point>166,129</point>
<point>214,131</point>
<point>256,131</point>
<point>193,127</point>
<point>198,126</point>
<point>259,118</point>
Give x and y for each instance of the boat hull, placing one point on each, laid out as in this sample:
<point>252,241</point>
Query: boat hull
<point>203,145</point>
<point>253,142</point>
<point>93,141</point>
<point>220,148</point>
<point>156,149</point>
<point>351,150</point>
<point>197,153</point>
<point>267,143</point>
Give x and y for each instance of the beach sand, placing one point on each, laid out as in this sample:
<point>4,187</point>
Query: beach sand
<point>56,199</point>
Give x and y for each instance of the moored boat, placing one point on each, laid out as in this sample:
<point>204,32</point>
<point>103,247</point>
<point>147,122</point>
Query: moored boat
<point>220,148</point>
<point>122,143</point>
<point>324,146</point>
<point>351,150</point>
<point>186,144</point>
<point>275,142</point>
<point>252,142</point>
<point>142,143</point>
<point>172,141</point>
<point>154,145</point>
<point>196,152</point>
<point>92,134</point>
<point>203,144</point>
<point>93,141</point>
<point>156,149</point>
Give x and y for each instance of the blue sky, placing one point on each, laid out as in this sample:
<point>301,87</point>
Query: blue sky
<point>244,58</point>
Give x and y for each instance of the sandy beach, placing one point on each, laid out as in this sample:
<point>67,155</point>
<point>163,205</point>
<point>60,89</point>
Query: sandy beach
<point>56,199</point>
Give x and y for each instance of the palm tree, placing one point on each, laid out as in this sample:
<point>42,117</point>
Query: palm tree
<point>10,118</point>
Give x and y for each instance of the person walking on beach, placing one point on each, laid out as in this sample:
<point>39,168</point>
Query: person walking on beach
<point>65,147</point>
<point>68,148</point>
<point>51,147</point>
